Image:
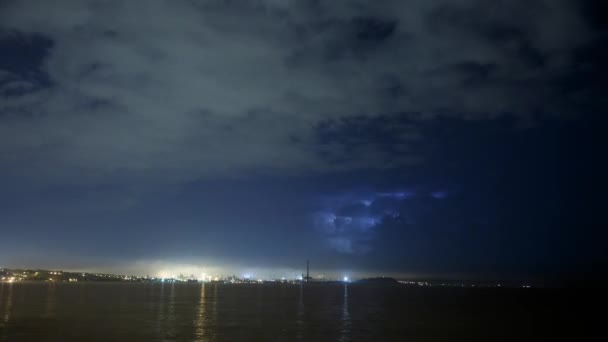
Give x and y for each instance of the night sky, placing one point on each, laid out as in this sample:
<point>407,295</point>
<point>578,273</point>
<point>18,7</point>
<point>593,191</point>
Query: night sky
<point>407,138</point>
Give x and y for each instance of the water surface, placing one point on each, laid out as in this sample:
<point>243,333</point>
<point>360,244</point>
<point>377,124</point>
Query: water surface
<point>273,312</point>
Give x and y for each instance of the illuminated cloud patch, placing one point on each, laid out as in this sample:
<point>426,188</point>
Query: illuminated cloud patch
<point>367,202</point>
<point>439,194</point>
<point>348,223</point>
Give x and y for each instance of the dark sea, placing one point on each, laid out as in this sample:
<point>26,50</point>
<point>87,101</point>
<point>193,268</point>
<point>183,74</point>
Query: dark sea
<point>274,312</point>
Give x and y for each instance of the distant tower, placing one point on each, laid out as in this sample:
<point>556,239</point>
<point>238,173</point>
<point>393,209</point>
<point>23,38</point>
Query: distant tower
<point>307,269</point>
<point>307,278</point>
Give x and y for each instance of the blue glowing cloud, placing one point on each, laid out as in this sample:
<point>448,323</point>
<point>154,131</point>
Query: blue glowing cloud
<point>439,194</point>
<point>348,222</point>
<point>367,202</point>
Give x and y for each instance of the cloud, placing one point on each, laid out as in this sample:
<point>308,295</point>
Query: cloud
<point>181,90</point>
<point>349,222</point>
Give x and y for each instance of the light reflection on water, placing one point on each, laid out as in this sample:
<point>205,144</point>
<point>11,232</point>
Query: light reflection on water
<point>201,318</point>
<point>215,301</point>
<point>300,316</point>
<point>252,312</point>
<point>51,301</point>
<point>9,304</point>
<point>5,308</point>
<point>160,310</point>
<point>346,323</point>
<point>170,316</point>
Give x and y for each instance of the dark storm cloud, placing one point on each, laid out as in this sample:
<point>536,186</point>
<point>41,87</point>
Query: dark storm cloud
<point>381,142</point>
<point>155,92</point>
<point>21,64</point>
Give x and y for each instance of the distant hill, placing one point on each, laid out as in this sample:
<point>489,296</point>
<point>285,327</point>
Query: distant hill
<point>379,280</point>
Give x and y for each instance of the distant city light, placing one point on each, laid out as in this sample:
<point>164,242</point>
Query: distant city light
<point>345,279</point>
